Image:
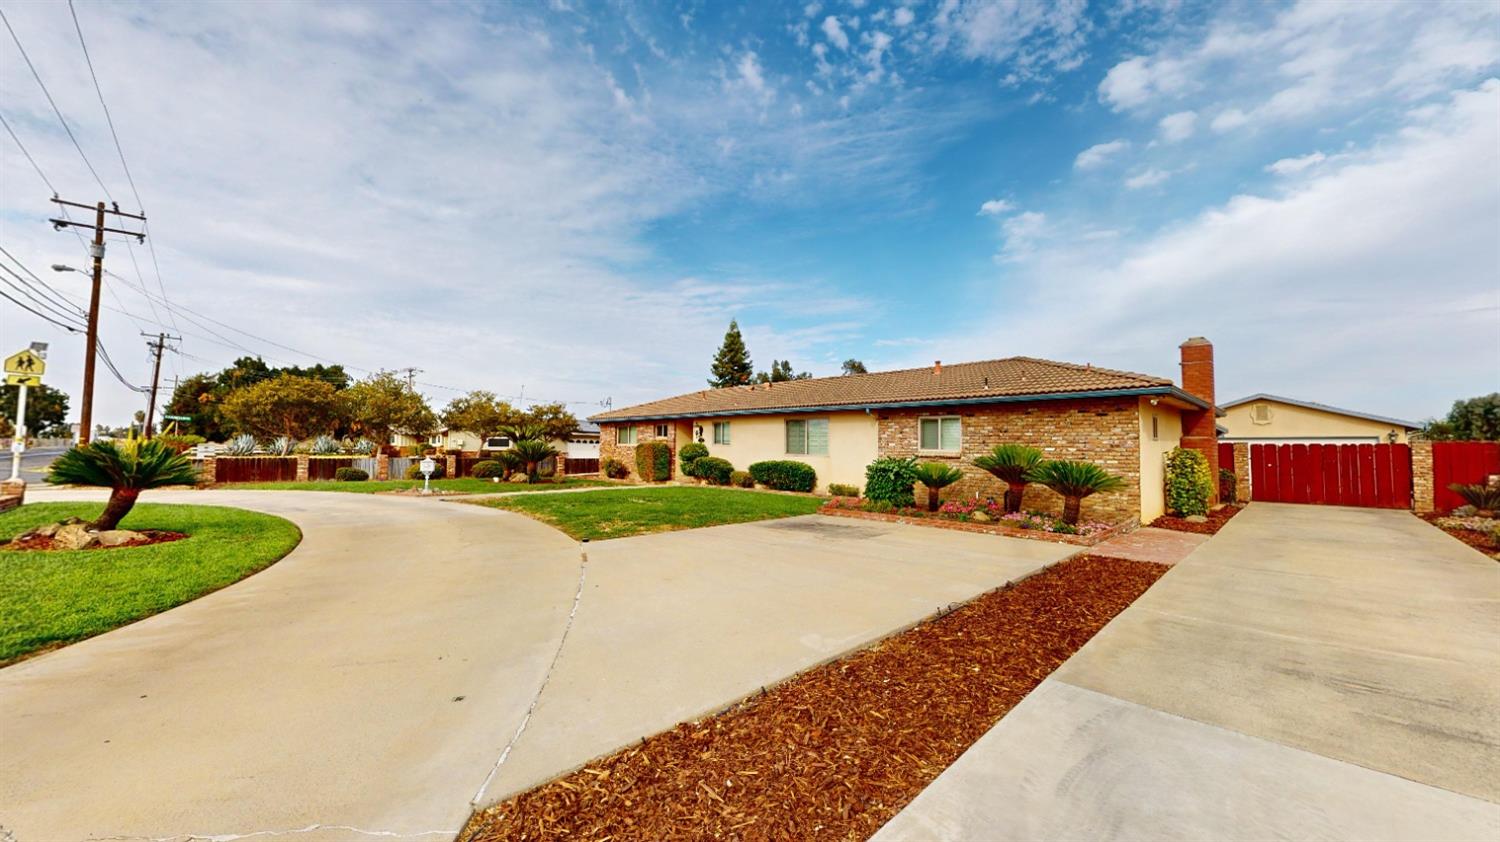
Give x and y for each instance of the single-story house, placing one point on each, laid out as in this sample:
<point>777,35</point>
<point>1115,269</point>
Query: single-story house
<point>582,443</point>
<point>1272,419</point>
<point>1120,420</point>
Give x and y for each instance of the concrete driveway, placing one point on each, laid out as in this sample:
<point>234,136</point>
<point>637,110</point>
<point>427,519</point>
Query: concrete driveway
<point>368,684</point>
<point>1311,672</point>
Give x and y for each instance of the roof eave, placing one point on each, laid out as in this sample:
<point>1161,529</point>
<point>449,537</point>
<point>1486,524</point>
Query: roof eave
<point>1321,407</point>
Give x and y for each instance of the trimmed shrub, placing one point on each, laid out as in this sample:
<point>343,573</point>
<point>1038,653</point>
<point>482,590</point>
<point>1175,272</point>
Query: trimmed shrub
<point>614,468</point>
<point>653,461</point>
<point>351,475</point>
<point>890,479</point>
<point>714,470</point>
<point>785,475</point>
<point>742,479</point>
<point>1227,493</point>
<point>1189,484</point>
<point>839,489</point>
<point>487,469</point>
<point>415,471</point>
<point>690,453</point>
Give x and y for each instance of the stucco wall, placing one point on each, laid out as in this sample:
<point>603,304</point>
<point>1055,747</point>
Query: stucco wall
<point>1290,423</point>
<point>1153,451</point>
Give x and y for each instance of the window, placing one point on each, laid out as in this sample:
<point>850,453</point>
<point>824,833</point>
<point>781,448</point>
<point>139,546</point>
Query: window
<point>625,435</point>
<point>721,432</point>
<point>1155,434</point>
<point>661,431</point>
<point>807,437</point>
<point>496,443</point>
<point>436,440</point>
<point>945,434</point>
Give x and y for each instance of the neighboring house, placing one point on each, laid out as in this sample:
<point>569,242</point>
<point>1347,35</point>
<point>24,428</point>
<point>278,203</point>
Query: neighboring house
<point>1123,421</point>
<point>1272,419</point>
<point>582,444</point>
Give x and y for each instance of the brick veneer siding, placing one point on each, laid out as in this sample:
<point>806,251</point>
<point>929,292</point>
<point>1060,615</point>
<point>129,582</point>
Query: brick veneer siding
<point>1423,495</point>
<point>1242,471</point>
<point>1103,431</point>
<point>644,432</point>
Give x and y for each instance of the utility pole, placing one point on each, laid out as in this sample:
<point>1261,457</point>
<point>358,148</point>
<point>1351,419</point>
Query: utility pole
<point>96,251</point>
<point>156,347</point>
<point>411,377</point>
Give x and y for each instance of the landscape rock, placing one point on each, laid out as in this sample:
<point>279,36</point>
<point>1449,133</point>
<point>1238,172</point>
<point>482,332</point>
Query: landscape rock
<point>119,537</point>
<point>1196,519</point>
<point>980,517</point>
<point>75,536</point>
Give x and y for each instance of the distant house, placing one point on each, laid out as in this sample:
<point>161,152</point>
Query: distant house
<point>1123,421</point>
<point>583,443</point>
<point>1273,419</point>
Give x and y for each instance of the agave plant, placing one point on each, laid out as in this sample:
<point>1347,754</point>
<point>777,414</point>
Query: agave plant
<point>282,446</point>
<point>1012,464</point>
<point>240,445</point>
<point>1075,481</point>
<point>1480,496</point>
<point>363,447</point>
<point>126,469</point>
<point>936,476</point>
<point>325,446</point>
<point>533,452</point>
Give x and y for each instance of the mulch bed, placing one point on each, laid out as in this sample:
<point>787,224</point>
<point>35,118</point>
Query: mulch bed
<point>42,542</point>
<point>1481,541</point>
<point>1216,521</point>
<point>991,528</point>
<point>837,751</point>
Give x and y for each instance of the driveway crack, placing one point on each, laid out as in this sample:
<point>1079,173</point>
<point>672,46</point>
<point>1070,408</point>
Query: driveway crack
<point>583,566</point>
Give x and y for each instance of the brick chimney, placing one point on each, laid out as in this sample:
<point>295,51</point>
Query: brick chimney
<point>1198,426</point>
<point>937,366</point>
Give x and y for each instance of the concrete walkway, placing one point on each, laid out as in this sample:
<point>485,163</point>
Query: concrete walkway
<point>366,686</point>
<point>1149,543</point>
<point>1311,672</point>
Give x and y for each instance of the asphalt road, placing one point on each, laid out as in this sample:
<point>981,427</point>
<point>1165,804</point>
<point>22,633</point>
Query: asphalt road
<point>34,462</point>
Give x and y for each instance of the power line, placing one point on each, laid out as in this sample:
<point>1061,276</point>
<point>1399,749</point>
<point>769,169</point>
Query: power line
<point>31,160</point>
<point>26,291</point>
<point>40,315</point>
<point>40,286</point>
<point>55,110</point>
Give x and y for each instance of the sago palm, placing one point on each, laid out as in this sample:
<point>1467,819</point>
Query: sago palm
<point>1012,464</point>
<point>533,452</point>
<point>126,470</point>
<point>936,476</point>
<point>510,462</point>
<point>1075,481</point>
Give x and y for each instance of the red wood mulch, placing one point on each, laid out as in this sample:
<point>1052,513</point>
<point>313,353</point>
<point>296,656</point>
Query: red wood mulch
<point>1482,541</point>
<point>837,751</point>
<point>1216,521</point>
<point>41,542</point>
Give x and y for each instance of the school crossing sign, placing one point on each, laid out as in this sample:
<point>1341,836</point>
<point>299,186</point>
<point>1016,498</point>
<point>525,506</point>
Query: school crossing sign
<point>24,368</point>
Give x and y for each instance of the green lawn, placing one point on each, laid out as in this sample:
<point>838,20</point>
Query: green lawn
<point>465,485</point>
<point>48,599</point>
<point>636,511</point>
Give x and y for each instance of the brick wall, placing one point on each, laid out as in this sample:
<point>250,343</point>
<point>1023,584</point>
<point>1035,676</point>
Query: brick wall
<point>645,432</point>
<point>1423,494</point>
<point>1242,471</point>
<point>1103,431</point>
<point>1199,427</point>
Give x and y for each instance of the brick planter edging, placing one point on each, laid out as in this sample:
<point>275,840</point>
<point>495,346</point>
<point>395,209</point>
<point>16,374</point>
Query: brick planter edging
<point>987,528</point>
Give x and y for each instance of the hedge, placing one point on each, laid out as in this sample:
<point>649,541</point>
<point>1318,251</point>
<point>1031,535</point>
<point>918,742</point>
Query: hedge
<point>614,468</point>
<point>487,469</point>
<point>890,480</point>
<point>415,471</point>
<point>714,470</point>
<point>350,474</point>
<point>785,475</point>
<point>653,461</point>
<point>742,479</point>
<point>690,453</point>
<point>1190,485</point>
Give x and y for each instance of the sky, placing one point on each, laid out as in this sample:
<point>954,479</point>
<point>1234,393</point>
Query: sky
<point>570,200</point>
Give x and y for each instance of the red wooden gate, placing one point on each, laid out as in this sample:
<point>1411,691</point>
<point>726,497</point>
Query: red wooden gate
<point>1371,475</point>
<point>1462,462</point>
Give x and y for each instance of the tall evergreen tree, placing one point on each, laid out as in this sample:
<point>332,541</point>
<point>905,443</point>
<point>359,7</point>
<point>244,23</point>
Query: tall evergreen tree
<point>731,365</point>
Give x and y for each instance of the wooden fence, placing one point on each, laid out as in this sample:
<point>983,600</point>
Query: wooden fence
<point>255,469</point>
<point>324,467</point>
<point>1371,475</point>
<point>1462,462</point>
<point>574,466</point>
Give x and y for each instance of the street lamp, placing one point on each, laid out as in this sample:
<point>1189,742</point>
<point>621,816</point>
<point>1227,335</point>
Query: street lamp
<point>58,267</point>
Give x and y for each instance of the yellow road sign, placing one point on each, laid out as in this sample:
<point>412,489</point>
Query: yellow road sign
<point>23,380</point>
<point>25,362</point>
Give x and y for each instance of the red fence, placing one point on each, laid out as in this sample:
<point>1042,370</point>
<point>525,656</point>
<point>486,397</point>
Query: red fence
<point>581,466</point>
<point>323,467</point>
<point>1462,462</point>
<point>1371,475</point>
<point>255,469</point>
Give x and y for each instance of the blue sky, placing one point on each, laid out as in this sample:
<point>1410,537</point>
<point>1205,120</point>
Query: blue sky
<point>575,198</point>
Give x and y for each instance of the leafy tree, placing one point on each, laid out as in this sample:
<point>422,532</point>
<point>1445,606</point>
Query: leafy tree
<point>1011,464</point>
<point>936,476</point>
<point>1075,481</point>
<point>383,403</point>
<point>781,371</point>
<point>198,397</point>
<point>554,419</point>
<point>1474,419</point>
<point>853,366</point>
<point>286,405</point>
<point>125,469</point>
<point>46,409</point>
<point>731,366</point>
<point>480,413</point>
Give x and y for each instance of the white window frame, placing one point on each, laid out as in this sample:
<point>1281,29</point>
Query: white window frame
<point>663,430</point>
<point>721,432</point>
<point>939,419</point>
<point>806,438</point>
<point>505,446</point>
<point>625,434</point>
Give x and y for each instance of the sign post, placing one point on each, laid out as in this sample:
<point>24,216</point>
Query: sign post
<point>23,369</point>
<point>427,466</point>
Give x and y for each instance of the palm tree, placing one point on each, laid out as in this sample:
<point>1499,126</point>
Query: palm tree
<point>523,430</point>
<point>936,476</point>
<point>1075,481</point>
<point>534,452</point>
<point>510,462</point>
<point>126,471</point>
<point>1013,464</point>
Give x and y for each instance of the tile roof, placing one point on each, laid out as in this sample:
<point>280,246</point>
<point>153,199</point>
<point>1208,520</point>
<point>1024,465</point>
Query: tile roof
<point>988,379</point>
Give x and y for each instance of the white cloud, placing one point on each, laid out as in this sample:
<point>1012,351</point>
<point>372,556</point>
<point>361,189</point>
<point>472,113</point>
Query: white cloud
<point>1229,120</point>
<point>1147,178</point>
<point>1099,154</point>
<point>812,9</point>
<point>835,33</point>
<point>1021,234</point>
<point>1292,166</point>
<point>1138,81</point>
<point>902,16</point>
<point>996,207</point>
<point>1034,38</point>
<point>751,75</point>
<point>1178,127</point>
